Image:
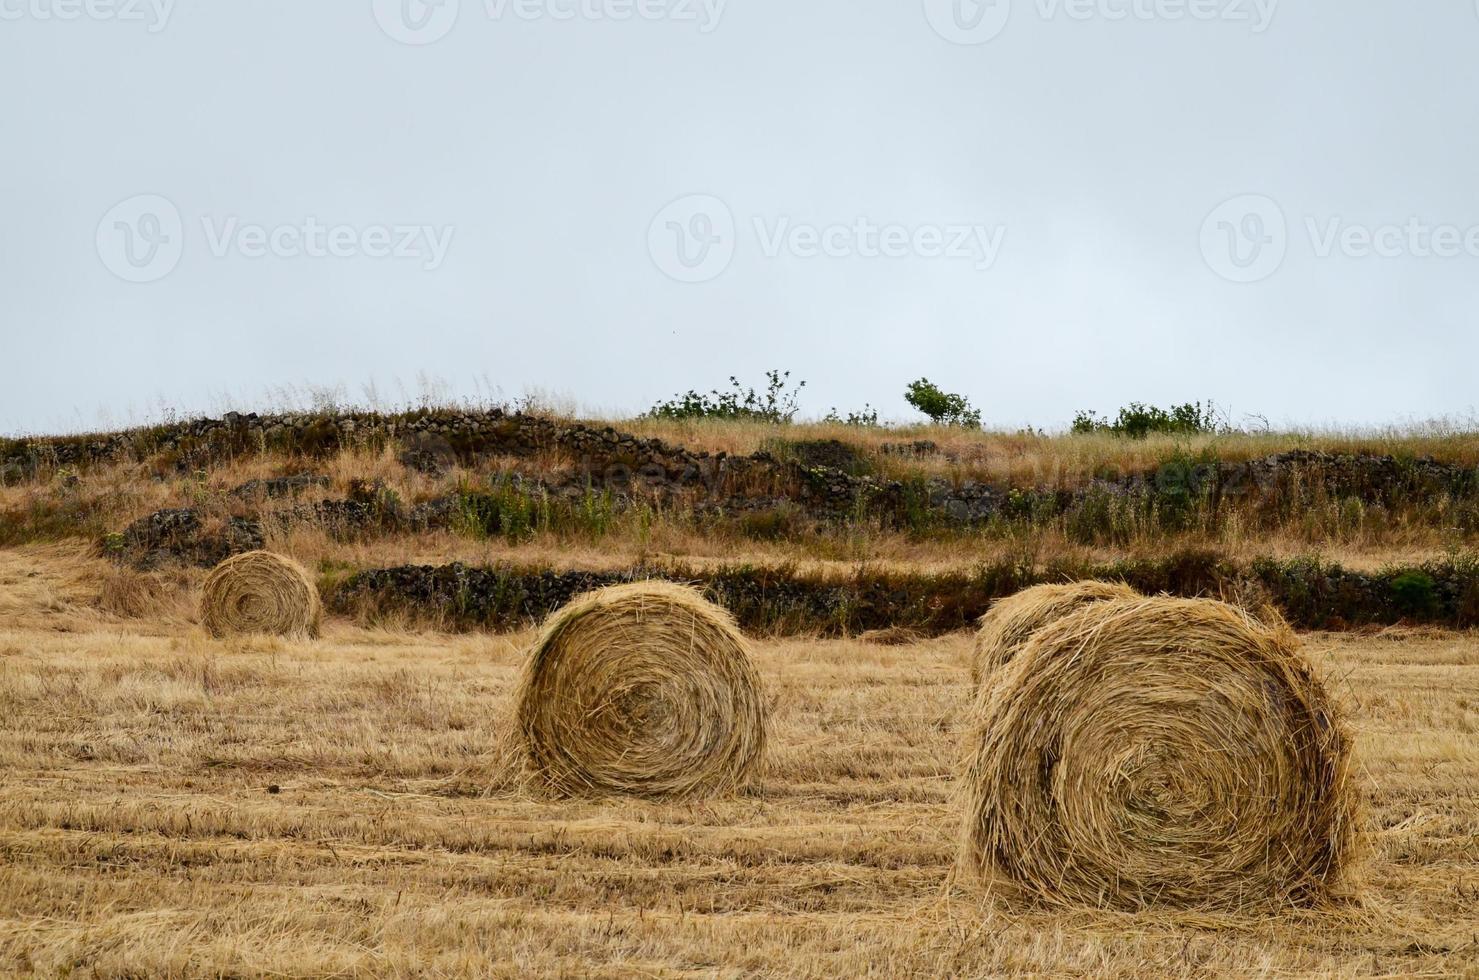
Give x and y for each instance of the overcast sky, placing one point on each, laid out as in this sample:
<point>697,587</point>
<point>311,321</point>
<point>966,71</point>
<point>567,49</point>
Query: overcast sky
<point>1046,205</point>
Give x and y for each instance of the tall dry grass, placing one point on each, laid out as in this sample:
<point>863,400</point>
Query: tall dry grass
<point>1037,458</point>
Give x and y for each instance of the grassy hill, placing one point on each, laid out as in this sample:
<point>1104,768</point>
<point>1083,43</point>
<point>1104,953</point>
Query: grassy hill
<point>826,527</point>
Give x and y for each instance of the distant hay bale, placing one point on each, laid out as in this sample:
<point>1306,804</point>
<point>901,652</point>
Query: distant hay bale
<point>1011,622</point>
<point>1158,751</point>
<point>260,592</point>
<point>643,690</point>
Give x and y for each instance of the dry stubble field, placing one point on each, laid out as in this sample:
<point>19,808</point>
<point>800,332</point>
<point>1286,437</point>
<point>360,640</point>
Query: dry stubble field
<point>177,805</point>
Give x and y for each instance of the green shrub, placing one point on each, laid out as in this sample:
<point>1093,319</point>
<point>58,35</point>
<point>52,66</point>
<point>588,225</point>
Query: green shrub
<point>776,404</point>
<point>782,523</point>
<point>867,418</point>
<point>942,407</point>
<point>1177,491</point>
<point>1104,517</point>
<point>1414,593</point>
<point>504,510</point>
<point>1138,420</point>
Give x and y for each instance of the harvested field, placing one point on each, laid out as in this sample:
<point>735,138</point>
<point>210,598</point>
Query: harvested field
<point>179,805</point>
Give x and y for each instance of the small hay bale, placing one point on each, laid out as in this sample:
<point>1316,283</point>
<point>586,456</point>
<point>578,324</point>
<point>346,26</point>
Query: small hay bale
<point>260,592</point>
<point>1010,622</point>
<point>641,690</point>
<point>1160,752</point>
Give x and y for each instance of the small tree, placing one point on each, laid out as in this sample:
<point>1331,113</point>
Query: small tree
<point>943,407</point>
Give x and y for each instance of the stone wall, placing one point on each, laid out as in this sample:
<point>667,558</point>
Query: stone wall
<point>1313,595</point>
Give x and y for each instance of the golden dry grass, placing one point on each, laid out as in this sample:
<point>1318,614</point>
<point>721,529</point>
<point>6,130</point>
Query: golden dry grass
<point>174,805</point>
<point>1040,458</point>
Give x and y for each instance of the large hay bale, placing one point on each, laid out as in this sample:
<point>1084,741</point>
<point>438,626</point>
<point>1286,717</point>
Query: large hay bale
<point>1010,622</point>
<point>260,592</point>
<point>644,689</point>
<point>1159,751</point>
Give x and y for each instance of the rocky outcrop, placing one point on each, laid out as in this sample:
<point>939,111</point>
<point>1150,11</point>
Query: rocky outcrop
<point>182,536</point>
<point>762,600</point>
<point>428,440</point>
<point>279,487</point>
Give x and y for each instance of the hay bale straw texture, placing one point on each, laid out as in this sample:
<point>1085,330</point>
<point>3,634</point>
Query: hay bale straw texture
<point>1160,752</point>
<point>260,592</point>
<point>643,690</point>
<point>1010,622</point>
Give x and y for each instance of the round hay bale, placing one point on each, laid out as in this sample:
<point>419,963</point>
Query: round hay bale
<point>1159,751</point>
<point>642,690</point>
<point>1011,621</point>
<point>260,592</point>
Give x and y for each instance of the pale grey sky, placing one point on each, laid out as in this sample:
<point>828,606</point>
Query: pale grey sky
<point>1047,205</point>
